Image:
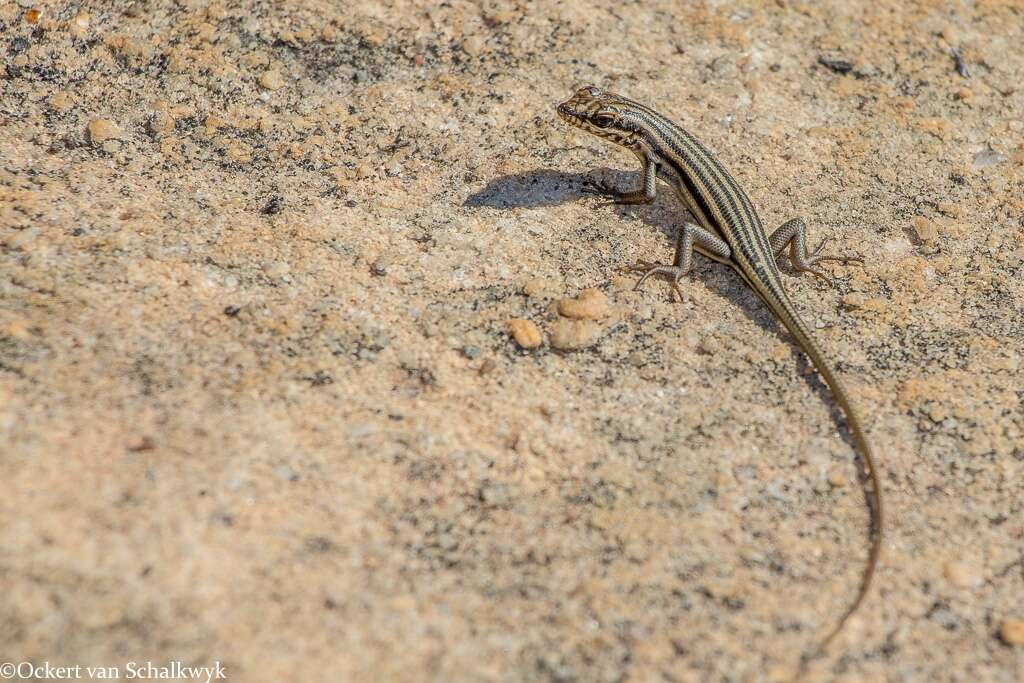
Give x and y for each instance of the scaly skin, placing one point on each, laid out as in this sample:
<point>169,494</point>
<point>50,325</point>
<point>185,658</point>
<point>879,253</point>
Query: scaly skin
<point>729,231</point>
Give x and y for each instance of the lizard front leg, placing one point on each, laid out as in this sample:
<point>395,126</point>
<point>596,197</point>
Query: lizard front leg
<point>794,234</point>
<point>689,236</point>
<point>643,196</point>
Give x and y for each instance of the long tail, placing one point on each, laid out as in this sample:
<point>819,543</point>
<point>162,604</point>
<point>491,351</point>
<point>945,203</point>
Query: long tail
<point>787,314</point>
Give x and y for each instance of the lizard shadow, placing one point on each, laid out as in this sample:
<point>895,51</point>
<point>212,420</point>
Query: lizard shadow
<point>545,187</point>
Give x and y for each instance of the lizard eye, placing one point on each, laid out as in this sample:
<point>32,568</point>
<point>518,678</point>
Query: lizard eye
<point>604,120</point>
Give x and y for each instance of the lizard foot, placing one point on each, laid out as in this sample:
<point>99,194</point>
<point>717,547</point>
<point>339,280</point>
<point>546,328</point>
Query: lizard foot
<point>675,274</point>
<point>599,188</point>
<point>807,262</point>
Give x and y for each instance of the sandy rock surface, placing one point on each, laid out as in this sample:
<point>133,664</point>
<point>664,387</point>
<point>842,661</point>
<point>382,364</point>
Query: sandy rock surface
<point>261,403</point>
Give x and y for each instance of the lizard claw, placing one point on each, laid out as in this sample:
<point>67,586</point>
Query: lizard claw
<point>676,273</point>
<point>599,188</point>
<point>816,257</point>
<point>807,263</point>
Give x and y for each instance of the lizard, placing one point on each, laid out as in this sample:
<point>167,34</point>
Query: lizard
<point>729,231</point>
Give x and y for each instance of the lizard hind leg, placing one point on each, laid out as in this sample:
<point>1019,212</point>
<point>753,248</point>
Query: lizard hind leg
<point>794,234</point>
<point>689,236</point>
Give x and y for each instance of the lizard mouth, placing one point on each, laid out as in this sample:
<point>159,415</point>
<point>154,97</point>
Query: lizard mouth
<point>567,114</point>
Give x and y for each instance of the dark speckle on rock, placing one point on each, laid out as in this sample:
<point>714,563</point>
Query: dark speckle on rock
<point>495,494</point>
<point>274,206</point>
<point>319,544</point>
<point>836,64</point>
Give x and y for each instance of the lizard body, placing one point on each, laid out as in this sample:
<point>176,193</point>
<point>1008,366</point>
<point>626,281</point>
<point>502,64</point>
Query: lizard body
<point>729,231</point>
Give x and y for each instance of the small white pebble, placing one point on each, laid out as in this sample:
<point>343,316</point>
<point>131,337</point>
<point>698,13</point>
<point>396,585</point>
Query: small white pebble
<point>962,574</point>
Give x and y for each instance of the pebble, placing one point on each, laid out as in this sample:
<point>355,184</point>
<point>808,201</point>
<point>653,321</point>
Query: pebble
<point>1012,631</point>
<point>161,124</point>
<point>569,335</point>
<point>926,230</point>
<point>986,158</point>
<point>473,46</point>
<point>837,478</point>
<point>590,304</point>
<point>962,574</point>
<point>535,287</point>
<point>140,444</point>
<point>19,328</point>
<point>61,101</point>
<point>271,80</point>
<point>101,130</point>
<point>81,20</point>
<point>525,333</point>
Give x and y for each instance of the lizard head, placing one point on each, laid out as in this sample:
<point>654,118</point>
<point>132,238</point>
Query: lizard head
<point>599,113</point>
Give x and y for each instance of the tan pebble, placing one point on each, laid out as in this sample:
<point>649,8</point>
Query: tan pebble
<point>239,152</point>
<point>1012,631</point>
<point>81,21</point>
<point>525,333</point>
<point>926,230</point>
<point>141,443</point>
<point>328,34</point>
<point>837,478</point>
<point>61,100</point>
<point>535,287</point>
<point>162,123</point>
<point>19,328</point>
<point>574,334</point>
<point>964,94</point>
<point>962,575</point>
<point>271,80</point>
<point>591,304</point>
<point>101,130</point>
<point>473,46</point>
<point>853,300</point>
<point>940,128</point>
<point>32,16</point>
